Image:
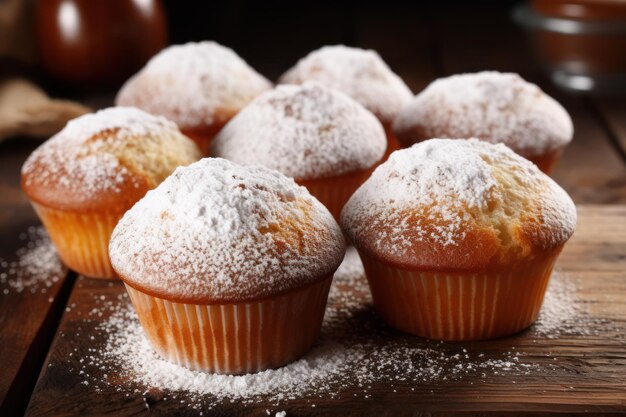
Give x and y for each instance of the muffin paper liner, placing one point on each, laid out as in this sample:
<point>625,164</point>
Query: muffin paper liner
<point>203,141</point>
<point>81,239</point>
<point>203,137</point>
<point>459,306</point>
<point>234,338</point>
<point>334,192</point>
<point>392,143</point>
<point>547,161</point>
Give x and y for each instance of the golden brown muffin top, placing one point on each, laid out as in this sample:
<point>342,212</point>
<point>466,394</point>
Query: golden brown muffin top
<point>304,131</point>
<point>458,205</point>
<point>105,159</point>
<point>359,73</point>
<point>197,85</point>
<point>492,106</point>
<point>216,232</point>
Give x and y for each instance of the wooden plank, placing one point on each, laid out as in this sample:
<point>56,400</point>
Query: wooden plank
<point>586,370</point>
<point>591,169</point>
<point>599,243</point>
<point>28,319</point>
<point>612,110</point>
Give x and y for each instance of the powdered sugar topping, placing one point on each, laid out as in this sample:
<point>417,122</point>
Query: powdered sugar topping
<point>215,231</point>
<point>127,121</point>
<point>304,132</point>
<point>84,158</point>
<point>493,106</point>
<point>194,84</point>
<point>450,184</point>
<point>359,73</point>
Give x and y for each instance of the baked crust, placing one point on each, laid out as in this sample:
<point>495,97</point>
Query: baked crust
<point>105,161</point>
<point>197,85</point>
<point>492,106</point>
<point>305,131</point>
<point>359,73</point>
<point>458,205</point>
<point>197,299</point>
<point>479,250</point>
<point>215,232</point>
<point>130,187</point>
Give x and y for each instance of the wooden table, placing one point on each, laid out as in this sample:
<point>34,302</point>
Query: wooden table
<point>592,367</point>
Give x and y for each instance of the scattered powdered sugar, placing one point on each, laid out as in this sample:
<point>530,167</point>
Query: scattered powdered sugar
<point>559,309</point>
<point>562,313</point>
<point>349,290</point>
<point>444,182</point>
<point>37,266</point>
<point>194,84</point>
<point>305,132</point>
<point>144,366</point>
<point>355,352</point>
<point>218,230</point>
<point>83,160</point>
<point>495,107</point>
<point>359,73</point>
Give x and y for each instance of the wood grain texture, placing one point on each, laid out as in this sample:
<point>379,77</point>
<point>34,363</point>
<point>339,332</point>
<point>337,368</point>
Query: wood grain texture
<point>587,371</point>
<point>590,170</point>
<point>27,320</point>
<point>613,111</point>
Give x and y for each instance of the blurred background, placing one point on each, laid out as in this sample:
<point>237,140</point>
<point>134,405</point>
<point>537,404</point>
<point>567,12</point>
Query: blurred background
<point>95,45</point>
<point>60,58</point>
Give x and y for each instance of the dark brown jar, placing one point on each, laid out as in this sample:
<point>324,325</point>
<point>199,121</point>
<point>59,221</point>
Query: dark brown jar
<point>86,42</point>
<point>582,42</point>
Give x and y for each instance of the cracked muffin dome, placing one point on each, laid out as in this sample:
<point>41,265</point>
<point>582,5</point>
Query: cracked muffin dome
<point>107,159</point>
<point>82,180</point>
<point>492,106</point>
<point>359,73</point>
<point>305,132</point>
<point>200,86</point>
<point>250,232</point>
<point>458,205</point>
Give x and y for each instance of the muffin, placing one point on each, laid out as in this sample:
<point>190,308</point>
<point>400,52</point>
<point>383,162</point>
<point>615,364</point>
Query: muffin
<point>82,180</point>
<point>492,106</point>
<point>458,238</point>
<point>361,74</point>
<point>321,137</point>
<point>200,86</point>
<point>244,288</point>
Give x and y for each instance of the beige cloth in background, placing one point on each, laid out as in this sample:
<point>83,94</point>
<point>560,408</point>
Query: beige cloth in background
<point>26,110</point>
